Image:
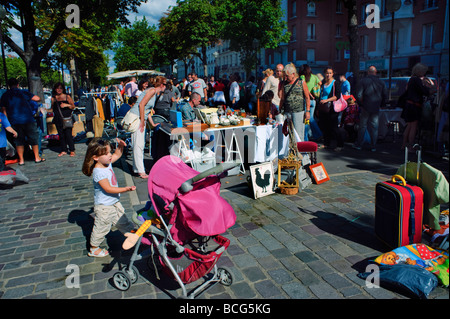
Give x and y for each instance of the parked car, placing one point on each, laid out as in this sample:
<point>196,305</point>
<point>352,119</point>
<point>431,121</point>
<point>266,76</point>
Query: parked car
<point>398,87</point>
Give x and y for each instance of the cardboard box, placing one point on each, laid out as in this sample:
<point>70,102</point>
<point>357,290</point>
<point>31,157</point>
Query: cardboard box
<point>77,128</point>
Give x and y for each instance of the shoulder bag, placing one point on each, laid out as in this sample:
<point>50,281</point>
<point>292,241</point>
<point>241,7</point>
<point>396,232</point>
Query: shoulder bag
<point>130,122</point>
<point>325,107</point>
<point>340,104</point>
<point>67,121</point>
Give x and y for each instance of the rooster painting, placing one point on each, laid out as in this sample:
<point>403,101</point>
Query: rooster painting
<point>263,181</point>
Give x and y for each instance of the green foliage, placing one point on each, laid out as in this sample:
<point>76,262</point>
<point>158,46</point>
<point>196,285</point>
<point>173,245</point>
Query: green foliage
<point>16,68</point>
<point>253,24</point>
<point>136,47</point>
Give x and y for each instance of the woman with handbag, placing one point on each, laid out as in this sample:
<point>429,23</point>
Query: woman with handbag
<point>294,100</point>
<point>328,118</point>
<point>62,108</point>
<point>142,108</point>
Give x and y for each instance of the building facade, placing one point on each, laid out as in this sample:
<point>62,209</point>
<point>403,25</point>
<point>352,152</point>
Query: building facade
<point>318,36</point>
<point>319,32</point>
<point>420,34</point>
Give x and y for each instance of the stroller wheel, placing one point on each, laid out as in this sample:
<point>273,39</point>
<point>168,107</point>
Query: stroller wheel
<point>132,273</point>
<point>226,276</point>
<point>121,281</point>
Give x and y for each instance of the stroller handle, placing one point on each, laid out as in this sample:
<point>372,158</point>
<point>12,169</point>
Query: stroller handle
<point>222,167</point>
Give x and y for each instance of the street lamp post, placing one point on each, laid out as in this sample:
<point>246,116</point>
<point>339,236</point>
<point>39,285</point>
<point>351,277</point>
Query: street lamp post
<point>392,6</point>
<point>2,16</point>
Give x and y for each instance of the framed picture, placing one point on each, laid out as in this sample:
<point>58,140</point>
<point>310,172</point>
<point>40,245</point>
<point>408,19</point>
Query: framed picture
<point>319,173</point>
<point>262,178</point>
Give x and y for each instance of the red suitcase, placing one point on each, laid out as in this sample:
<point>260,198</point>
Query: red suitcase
<point>398,212</point>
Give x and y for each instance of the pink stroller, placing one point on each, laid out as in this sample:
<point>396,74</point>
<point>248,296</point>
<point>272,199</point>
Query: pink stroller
<point>192,215</point>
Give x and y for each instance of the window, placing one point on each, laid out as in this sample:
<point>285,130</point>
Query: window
<point>311,55</point>
<point>338,54</point>
<point>339,6</point>
<point>294,33</point>
<point>394,44</point>
<point>363,13</point>
<point>311,32</point>
<point>427,36</point>
<point>294,55</point>
<point>364,41</point>
<point>338,31</point>
<point>430,4</point>
<point>311,9</point>
<point>294,9</point>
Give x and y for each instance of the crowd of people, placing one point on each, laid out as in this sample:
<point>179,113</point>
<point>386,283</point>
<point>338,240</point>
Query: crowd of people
<point>305,98</point>
<point>308,100</point>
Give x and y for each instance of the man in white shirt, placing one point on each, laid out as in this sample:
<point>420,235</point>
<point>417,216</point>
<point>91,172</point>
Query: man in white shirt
<point>272,84</point>
<point>234,91</point>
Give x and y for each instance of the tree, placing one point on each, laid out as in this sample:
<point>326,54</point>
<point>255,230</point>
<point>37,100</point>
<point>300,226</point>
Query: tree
<point>136,47</point>
<point>251,25</point>
<point>82,49</point>
<point>35,46</point>
<point>196,24</point>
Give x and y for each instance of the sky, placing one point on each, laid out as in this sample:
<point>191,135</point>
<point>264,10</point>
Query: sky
<point>152,11</point>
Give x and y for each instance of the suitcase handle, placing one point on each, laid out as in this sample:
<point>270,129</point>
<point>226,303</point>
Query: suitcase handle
<point>402,180</point>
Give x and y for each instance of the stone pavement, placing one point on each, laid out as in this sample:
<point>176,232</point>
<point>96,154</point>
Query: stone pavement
<point>306,246</point>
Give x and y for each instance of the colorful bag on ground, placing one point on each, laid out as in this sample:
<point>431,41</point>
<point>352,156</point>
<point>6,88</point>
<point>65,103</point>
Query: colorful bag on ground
<point>420,255</point>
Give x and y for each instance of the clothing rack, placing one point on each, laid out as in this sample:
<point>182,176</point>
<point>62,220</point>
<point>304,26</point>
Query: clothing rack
<point>100,93</point>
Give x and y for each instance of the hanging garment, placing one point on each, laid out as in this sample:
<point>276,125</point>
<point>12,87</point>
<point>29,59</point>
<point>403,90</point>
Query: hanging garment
<point>435,189</point>
<point>99,105</point>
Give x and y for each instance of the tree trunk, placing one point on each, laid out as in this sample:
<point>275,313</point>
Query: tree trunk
<point>73,77</point>
<point>34,77</point>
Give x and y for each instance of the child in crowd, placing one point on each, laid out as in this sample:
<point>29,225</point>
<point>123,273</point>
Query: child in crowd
<point>273,111</point>
<point>4,126</point>
<point>350,118</point>
<point>107,208</point>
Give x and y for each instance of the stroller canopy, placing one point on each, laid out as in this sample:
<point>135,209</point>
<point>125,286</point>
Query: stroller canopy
<point>202,210</point>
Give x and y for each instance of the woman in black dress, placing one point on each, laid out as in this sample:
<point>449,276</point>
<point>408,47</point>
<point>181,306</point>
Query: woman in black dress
<point>417,89</point>
<point>62,104</point>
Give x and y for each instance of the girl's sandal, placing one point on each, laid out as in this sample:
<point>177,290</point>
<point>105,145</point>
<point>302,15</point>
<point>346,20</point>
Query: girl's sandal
<point>98,252</point>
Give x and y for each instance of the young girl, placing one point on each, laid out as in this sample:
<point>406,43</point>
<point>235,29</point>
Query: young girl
<point>107,208</point>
